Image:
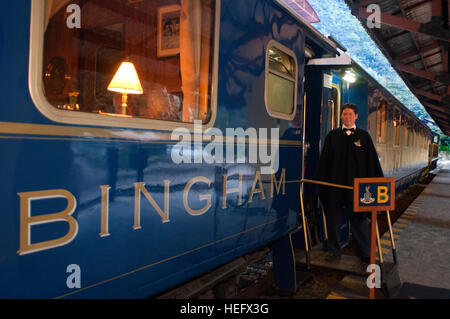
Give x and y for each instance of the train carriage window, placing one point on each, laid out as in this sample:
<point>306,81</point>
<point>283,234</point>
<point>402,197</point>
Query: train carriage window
<point>130,60</point>
<point>397,121</point>
<point>425,139</point>
<point>415,134</point>
<point>281,81</point>
<point>419,134</point>
<point>406,123</point>
<point>422,137</point>
<point>381,121</point>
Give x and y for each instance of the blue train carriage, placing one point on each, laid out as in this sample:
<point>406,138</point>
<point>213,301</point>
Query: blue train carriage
<point>401,139</point>
<point>140,141</point>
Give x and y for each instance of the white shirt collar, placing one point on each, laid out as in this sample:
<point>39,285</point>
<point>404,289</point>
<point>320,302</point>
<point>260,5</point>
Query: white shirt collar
<point>345,127</point>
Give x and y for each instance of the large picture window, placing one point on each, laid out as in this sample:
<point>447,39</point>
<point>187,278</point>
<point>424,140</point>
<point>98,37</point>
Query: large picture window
<point>281,81</point>
<point>129,61</point>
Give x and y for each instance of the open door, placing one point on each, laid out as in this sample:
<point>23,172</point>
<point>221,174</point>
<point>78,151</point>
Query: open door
<point>330,120</point>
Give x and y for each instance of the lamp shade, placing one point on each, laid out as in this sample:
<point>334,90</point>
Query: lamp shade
<point>126,80</point>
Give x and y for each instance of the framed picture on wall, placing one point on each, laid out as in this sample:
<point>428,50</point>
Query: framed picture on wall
<point>168,30</point>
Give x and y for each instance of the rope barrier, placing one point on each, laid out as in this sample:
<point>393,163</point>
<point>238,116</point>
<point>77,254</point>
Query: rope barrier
<point>325,184</point>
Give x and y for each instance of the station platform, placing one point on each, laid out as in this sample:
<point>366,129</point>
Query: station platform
<point>423,242</point>
<point>422,239</point>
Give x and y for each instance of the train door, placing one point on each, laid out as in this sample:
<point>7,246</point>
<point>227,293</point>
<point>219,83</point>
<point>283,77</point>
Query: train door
<point>334,103</point>
<point>331,106</point>
<point>330,120</point>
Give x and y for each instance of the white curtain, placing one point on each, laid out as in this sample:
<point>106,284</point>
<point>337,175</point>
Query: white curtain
<point>194,58</point>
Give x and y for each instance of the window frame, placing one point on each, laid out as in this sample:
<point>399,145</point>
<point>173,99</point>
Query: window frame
<point>405,122</point>
<point>382,129</point>
<point>36,85</point>
<point>289,52</point>
<point>397,128</point>
<point>416,134</point>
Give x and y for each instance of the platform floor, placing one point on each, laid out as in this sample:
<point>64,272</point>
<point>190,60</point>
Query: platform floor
<point>423,243</point>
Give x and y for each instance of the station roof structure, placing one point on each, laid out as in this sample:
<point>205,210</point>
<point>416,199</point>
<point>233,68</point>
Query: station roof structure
<point>414,35</point>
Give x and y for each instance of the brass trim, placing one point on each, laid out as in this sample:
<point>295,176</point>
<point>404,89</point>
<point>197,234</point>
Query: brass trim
<point>291,245</point>
<point>89,132</point>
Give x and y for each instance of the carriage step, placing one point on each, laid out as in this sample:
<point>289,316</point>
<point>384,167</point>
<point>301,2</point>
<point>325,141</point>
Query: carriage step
<point>350,264</point>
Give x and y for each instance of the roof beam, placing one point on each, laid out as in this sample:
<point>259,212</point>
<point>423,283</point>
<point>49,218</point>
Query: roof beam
<point>422,73</point>
<point>442,117</point>
<point>439,120</point>
<point>423,83</point>
<point>445,59</point>
<point>407,24</point>
<point>417,46</point>
<point>393,21</point>
<point>422,57</point>
<point>445,68</point>
<point>428,95</point>
<point>434,64</point>
<point>434,45</point>
<point>436,9</point>
<point>442,123</point>
<point>413,6</point>
<point>437,108</point>
<point>397,35</point>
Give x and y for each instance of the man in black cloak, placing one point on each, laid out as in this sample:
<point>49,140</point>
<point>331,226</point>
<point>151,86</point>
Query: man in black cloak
<point>348,152</point>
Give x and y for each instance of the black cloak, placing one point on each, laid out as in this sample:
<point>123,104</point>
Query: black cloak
<point>343,158</point>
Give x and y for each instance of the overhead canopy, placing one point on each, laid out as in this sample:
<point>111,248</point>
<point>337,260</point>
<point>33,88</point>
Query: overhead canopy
<point>415,37</point>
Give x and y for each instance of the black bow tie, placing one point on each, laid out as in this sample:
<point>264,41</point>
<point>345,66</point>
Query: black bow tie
<point>352,130</point>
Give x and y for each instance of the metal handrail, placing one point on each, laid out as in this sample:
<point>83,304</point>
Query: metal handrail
<point>325,183</point>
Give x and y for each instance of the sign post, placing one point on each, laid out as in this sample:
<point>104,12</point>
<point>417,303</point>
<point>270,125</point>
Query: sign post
<point>372,195</point>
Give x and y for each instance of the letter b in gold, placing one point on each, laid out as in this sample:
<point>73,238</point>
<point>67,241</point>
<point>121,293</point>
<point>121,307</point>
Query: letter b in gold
<point>382,194</point>
<point>27,221</point>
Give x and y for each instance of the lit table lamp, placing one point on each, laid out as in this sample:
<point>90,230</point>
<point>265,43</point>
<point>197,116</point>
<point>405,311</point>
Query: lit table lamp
<point>125,81</point>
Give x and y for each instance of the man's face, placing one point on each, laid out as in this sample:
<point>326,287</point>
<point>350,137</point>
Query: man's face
<point>348,117</point>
